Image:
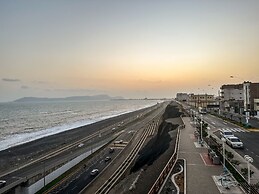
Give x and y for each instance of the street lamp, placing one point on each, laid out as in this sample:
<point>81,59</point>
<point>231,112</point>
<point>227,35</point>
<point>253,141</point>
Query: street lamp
<point>201,131</point>
<point>223,144</point>
<point>248,160</point>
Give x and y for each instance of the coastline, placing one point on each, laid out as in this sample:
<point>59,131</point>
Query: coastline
<point>14,156</point>
<point>38,127</point>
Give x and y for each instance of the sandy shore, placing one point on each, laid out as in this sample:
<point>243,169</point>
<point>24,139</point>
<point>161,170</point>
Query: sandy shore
<point>21,154</point>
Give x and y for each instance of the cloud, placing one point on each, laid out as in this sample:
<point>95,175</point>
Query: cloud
<point>11,80</point>
<point>24,87</point>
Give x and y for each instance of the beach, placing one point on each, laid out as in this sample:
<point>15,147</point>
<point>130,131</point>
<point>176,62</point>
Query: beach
<point>21,154</point>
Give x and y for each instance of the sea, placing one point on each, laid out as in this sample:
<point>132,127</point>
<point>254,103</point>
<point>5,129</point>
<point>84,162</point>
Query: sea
<point>22,122</point>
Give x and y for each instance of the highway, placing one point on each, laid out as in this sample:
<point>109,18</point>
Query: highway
<point>142,131</point>
<point>125,129</point>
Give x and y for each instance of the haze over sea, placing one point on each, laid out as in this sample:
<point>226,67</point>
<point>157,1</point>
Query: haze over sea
<point>24,122</point>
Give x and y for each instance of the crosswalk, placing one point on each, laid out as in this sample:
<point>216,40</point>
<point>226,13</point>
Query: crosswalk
<point>237,130</point>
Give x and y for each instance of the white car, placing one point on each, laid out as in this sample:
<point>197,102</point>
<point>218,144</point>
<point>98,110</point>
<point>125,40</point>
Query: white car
<point>226,133</point>
<point>94,172</point>
<point>234,142</point>
<point>2,183</point>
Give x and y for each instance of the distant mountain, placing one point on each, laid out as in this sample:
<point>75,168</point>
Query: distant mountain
<point>71,98</point>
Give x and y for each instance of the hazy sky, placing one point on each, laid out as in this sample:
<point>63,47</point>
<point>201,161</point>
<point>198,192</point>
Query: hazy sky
<point>127,48</point>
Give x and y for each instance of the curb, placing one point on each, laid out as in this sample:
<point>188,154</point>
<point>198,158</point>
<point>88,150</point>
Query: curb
<point>173,178</point>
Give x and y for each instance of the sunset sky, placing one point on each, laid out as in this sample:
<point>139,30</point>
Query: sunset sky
<point>129,48</point>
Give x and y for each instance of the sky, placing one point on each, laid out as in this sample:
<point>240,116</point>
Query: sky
<point>133,49</point>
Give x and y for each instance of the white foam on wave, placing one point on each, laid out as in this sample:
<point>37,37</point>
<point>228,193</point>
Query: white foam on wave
<point>21,138</point>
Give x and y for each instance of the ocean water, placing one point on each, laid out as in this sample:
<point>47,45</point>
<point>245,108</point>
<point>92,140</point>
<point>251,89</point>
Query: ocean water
<point>24,122</point>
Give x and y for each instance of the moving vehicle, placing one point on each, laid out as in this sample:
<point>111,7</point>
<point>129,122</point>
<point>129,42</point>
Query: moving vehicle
<point>107,159</point>
<point>202,110</point>
<point>118,142</point>
<point>111,150</point>
<point>234,142</point>
<point>226,133</point>
<point>94,172</point>
<point>2,183</point>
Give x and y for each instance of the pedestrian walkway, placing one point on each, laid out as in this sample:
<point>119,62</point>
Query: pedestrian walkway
<point>201,172</point>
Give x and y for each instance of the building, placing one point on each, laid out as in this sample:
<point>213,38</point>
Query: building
<point>240,98</point>
<point>232,98</point>
<point>183,97</point>
<point>201,100</point>
<point>251,97</point>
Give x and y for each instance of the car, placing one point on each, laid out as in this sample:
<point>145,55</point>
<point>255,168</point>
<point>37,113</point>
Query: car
<point>118,142</point>
<point>108,158</point>
<point>80,145</point>
<point>2,183</point>
<point>111,150</point>
<point>234,142</point>
<point>94,172</point>
<point>226,133</point>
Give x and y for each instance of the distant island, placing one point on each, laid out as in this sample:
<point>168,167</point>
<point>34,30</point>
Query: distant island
<point>71,98</point>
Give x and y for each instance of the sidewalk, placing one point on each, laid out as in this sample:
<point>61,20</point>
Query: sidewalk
<point>200,170</point>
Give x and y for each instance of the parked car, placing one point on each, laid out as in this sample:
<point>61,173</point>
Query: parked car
<point>226,133</point>
<point>94,172</point>
<point>234,142</point>
<point>2,183</point>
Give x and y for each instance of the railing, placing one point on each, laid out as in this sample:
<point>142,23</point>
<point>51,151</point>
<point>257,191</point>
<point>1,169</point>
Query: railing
<point>160,180</point>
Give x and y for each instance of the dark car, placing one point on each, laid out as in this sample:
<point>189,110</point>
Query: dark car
<point>107,159</point>
<point>111,150</point>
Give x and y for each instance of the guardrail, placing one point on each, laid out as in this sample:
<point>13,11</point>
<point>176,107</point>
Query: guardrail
<point>12,185</point>
<point>163,175</point>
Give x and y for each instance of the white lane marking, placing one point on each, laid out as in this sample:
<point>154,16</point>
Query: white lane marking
<point>241,130</point>
<point>225,123</point>
<point>234,130</point>
<point>213,123</point>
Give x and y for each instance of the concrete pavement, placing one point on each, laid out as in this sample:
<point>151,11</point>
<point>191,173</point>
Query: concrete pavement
<point>202,175</point>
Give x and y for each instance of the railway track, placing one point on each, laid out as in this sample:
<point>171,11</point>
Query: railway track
<point>110,183</point>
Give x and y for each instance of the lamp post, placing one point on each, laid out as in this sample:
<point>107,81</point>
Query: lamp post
<point>224,154</point>
<point>201,130</point>
<point>248,160</point>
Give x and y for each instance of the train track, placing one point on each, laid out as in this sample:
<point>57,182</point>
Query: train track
<point>109,184</point>
<point>149,131</point>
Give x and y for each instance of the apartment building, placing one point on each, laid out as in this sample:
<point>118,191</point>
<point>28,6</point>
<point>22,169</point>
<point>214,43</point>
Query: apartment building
<point>239,98</point>
<point>232,98</point>
<point>183,97</point>
<point>201,100</point>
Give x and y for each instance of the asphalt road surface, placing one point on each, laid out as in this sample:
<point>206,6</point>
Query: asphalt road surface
<point>250,139</point>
